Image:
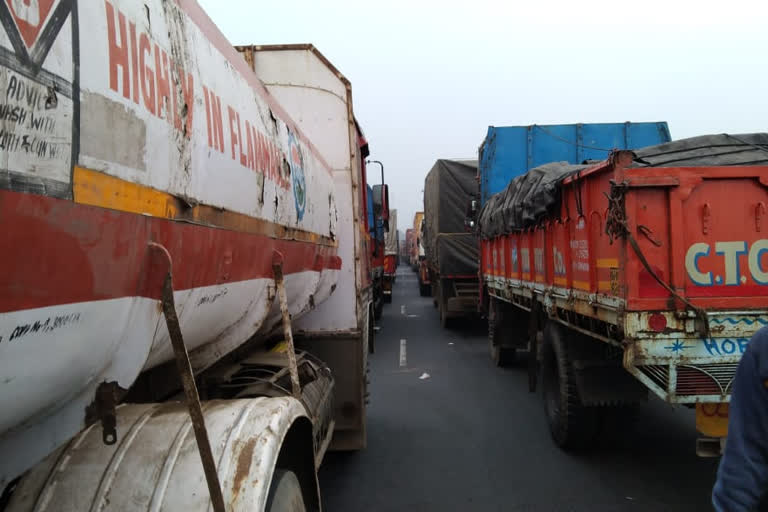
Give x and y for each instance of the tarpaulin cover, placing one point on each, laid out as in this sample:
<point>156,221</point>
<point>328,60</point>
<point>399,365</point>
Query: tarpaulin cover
<point>390,239</point>
<point>527,199</point>
<point>448,189</point>
<point>457,254</point>
<point>535,195</point>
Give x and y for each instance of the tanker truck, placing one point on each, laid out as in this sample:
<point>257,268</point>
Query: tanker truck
<point>185,301</point>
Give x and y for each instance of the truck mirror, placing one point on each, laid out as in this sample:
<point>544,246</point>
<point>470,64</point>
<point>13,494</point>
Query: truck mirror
<point>381,203</point>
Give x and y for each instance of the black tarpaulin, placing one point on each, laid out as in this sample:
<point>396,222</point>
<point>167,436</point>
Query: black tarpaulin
<point>536,194</point>
<point>707,151</point>
<point>527,199</point>
<point>448,189</point>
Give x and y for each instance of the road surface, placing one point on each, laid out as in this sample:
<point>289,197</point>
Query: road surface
<point>448,431</point>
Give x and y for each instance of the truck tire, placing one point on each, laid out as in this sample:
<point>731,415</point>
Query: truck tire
<point>500,355</point>
<point>378,308</point>
<point>572,425</point>
<point>445,322</point>
<point>285,493</point>
<point>425,290</point>
<point>388,298</point>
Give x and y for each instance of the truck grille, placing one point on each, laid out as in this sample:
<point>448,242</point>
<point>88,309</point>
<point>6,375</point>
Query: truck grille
<point>693,380</point>
<point>705,379</point>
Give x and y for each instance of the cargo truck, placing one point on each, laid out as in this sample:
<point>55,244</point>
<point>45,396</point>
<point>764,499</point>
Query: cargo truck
<point>508,151</point>
<point>644,272</point>
<point>185,302</point>
<point>451,252</point>
<point>417,250</point>
<point>391,254</point>
<point>422,268</point>
<point>405,248</point>
<point>378,231</point>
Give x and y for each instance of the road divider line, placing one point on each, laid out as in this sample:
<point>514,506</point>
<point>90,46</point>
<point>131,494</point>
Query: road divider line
<point>403,355</point>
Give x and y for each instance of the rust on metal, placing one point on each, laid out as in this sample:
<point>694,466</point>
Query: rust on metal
<point>243,467</point>
<point>277,268</point>
<point>190,388</point>
<point>102,409</point>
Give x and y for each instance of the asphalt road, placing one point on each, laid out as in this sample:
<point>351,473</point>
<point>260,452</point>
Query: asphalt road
<point>471,436</point>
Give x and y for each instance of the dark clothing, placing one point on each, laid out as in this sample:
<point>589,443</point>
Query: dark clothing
<point>742,478</point>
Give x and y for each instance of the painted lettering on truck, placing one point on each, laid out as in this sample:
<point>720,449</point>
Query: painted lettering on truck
<point>723,265</point>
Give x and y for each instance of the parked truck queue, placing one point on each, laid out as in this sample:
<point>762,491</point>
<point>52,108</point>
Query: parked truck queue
<point>198,251</point>
<point>612,279</point>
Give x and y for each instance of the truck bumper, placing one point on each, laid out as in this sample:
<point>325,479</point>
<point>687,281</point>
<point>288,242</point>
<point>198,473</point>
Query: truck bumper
<point>681,367</point>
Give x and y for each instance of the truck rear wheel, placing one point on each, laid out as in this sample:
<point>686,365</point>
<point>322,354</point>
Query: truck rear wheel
<point>444,320</point>
<point>500,355</point>
<point>572,424</point>
<point>285,493</point>
<point>424,289</point>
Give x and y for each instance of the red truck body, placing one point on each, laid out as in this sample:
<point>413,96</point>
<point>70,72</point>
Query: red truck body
<point>668,264</point>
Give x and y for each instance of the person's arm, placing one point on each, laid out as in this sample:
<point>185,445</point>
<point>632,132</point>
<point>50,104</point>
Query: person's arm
<point>742,478</point>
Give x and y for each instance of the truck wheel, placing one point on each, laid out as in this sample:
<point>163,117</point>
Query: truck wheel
<point>424,290</point>
<point>388,298</point>
<point>285,493</point>
<point>445,320</point>
<point>572,425</point>
<point>500,355</point>
<point>378,308</point>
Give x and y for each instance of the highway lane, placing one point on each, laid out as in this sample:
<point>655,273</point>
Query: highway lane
<point>448,431</point>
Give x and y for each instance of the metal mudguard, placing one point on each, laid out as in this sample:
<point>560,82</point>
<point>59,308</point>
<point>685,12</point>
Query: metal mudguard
<point>155,463</point>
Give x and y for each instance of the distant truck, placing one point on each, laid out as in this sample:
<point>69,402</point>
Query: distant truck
<point>417,249</point>
<point>451,251</point>
<point>405,248</point>
<point>639,273</point>
<point>378,222</point>
<point>508,151</point>
<point>391,254</point>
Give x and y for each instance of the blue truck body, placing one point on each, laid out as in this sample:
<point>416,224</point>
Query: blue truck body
<point>509,151</point>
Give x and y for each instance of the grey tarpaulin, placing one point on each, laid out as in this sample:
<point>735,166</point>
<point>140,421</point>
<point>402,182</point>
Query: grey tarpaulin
<point>448,189</point>
<point>526,199</point>
<point>536,194</point>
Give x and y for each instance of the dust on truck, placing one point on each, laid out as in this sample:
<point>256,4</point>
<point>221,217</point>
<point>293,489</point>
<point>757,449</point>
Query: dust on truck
<point>173,229</point>
<point>451,251</point>
<point>645,272</point>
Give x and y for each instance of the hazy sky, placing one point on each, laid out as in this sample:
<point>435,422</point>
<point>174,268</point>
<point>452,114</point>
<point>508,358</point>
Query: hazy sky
<point>429,77</point>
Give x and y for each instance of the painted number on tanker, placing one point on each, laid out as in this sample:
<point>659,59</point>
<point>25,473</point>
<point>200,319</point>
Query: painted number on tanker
<point>725,265</point>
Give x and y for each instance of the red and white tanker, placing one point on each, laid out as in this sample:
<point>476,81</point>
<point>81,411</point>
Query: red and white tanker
<point>137,142</point>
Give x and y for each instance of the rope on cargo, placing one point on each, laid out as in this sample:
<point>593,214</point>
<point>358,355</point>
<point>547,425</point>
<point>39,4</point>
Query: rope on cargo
<point>616,226</point>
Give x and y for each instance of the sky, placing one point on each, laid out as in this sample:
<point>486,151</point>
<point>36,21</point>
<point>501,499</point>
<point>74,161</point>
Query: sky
<point>428,78</point>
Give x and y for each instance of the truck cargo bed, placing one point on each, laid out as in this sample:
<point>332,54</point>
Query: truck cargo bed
<point>658,252</point>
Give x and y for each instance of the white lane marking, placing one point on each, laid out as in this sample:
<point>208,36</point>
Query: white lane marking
<point>412,316</point>
<point>402,309</point>
<point>450,343</point>
<point>424,376</point>
<point>403,356</point>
